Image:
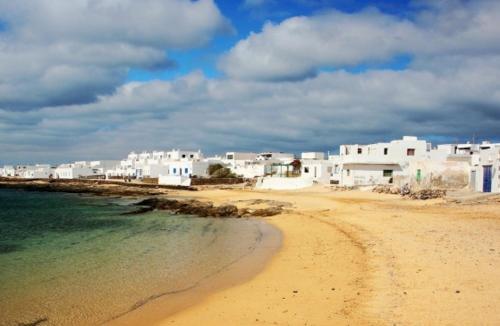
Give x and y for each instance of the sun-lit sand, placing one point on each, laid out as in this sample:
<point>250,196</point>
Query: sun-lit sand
<point>363,258</point>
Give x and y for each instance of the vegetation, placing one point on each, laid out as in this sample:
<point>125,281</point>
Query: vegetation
<point>219,171</point>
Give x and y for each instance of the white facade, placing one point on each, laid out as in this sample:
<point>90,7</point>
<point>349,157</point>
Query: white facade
<point>485,172</point>
<point>380,163</point>
<point>312,156</point>
<point>277,156</point>
<point>319,171</point>
<point>282,183</point>
<point>38,171</point>
<point>75,170</point>
<point>8,171</point>
<point>181,172</point>
<point>152,164</point>
<point>250,170</point>
<point>188,168</point>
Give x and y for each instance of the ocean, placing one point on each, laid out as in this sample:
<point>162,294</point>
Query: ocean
<point>69,259</point>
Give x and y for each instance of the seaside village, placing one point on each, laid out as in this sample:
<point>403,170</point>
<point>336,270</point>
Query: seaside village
<point>406,162</point>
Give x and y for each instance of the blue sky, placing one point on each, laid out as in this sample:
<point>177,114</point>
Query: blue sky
<point>246,19</point>
<point>251,75</point>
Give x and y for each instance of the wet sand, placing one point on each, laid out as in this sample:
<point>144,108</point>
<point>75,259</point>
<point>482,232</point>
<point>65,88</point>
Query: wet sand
<point>363,258</point>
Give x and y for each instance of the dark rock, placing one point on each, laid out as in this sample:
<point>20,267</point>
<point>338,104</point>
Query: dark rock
<point>270,211</point>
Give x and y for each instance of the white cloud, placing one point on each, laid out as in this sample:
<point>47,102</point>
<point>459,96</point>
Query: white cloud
<point>298,47</point>
<point>217,115</point>
<point>57,52</point>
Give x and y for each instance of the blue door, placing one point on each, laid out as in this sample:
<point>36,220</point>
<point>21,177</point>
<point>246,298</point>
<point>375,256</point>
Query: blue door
<point>487,178</point>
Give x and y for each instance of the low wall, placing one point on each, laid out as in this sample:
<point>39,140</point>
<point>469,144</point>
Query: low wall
<point>174,180</point>
<point>278,183</point>
<point>216,181</point>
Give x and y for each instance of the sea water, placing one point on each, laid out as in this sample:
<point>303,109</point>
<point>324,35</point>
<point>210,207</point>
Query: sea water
<point>69,259</point>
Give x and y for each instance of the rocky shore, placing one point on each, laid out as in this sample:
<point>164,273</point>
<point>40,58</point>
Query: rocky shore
<point>95,187</point>
<point>203,209</point>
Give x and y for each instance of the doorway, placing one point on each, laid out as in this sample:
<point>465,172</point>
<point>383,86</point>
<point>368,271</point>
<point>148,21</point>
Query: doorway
<point>487,178</point>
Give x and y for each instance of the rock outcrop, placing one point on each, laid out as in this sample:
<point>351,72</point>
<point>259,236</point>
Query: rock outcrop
<point>202,209</point>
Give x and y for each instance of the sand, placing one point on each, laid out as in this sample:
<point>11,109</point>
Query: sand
<point>362,258</point>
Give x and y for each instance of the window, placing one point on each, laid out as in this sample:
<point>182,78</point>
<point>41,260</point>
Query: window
<point>174,171</point>
<point>186,170</point>
<point>183,155</point>
<point>386,151</point>
<point>410,152</point>
<point>229,156</point>
<point>348,172</point>
<point>360,150</point>
<point>306,169</point>
<point>346,150</point>
<point>387,173</point>
<point>191,156</point>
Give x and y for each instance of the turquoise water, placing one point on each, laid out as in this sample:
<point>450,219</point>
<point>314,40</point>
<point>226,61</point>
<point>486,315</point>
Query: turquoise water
<point>67,259</point>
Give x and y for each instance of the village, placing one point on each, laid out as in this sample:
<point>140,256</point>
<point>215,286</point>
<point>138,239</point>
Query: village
<point>406,162</point>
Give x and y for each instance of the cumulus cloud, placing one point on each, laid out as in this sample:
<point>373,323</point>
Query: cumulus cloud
<point>56,52</point>
<point>222,114</point>
<point>300,46</point>
<point>450,90</point>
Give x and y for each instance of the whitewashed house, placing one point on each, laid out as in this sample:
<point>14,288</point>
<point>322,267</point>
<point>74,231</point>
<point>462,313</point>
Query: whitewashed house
<point>75,171</point>
<point>315,167</point>
<point>277,156</point>
<point>181,172</point>
<point>380,163</point>
<point>38,171</point>
<point>8,171</point>
<point>485,171</point>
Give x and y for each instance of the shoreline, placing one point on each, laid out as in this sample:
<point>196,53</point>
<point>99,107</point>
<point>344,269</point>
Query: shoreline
<point>366,259</point>
<point>160,305</point>
<point>348,258</point>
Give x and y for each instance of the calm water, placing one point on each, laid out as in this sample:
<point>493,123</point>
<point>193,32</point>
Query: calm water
<point>67,259</point>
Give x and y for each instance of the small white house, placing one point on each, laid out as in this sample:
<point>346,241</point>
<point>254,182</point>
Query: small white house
<point>181,172</point>
<point>277,156</point>
<point>317,170</point>
<point>485,171</point>
<point>75,171</point>
<point>38,171</point>
<point>8,171</point>
<point>380,163</point>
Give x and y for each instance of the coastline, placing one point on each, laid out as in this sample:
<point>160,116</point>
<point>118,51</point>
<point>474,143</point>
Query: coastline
<point>347,258</point>
<point>366,259</point>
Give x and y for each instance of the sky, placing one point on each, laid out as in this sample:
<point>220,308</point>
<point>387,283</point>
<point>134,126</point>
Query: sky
<point>96,79</point>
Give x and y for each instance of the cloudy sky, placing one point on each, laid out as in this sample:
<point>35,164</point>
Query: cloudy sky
<point>88,79</point>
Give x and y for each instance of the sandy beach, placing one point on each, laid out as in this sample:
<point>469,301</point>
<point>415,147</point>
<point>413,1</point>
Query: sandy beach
<point>363,258</point>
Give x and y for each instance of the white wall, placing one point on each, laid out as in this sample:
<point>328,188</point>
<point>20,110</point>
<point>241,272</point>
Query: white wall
<point>317,170</point>
<point>438,173</point>
<point>174,180</point>
<point>487,157</point>
<point>312,156</point>
<point>249,170</point>
<point>278,183</point>
<point>367,174</point>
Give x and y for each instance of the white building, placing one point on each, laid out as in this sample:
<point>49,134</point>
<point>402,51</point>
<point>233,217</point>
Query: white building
<point>181,172</point>
<point>8,171</point>
<point>485,171</point>
<point>75,171</point>
<point>38,171</point>
<point>312,156</point>
<point>380,163</point>
<point>277,156</point>
<point>319,171</point>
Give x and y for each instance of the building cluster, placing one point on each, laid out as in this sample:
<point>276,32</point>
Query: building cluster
<point>407,161</point>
